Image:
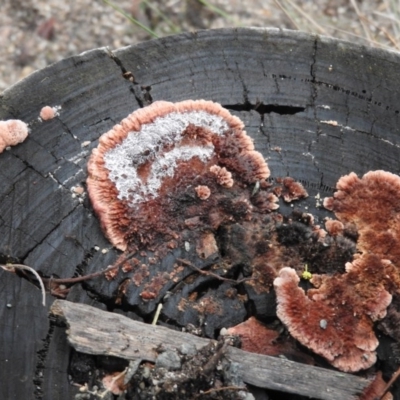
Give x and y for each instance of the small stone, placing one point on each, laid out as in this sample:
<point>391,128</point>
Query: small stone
<point>146,372</point>
<point>169,360</point>
<point>323,323</point>
<point>187,349</point>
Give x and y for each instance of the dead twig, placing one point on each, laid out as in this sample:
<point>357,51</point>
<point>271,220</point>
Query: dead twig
<point>389,384</point>
<point>362,22</point>
<point>12,267</point>
<point>220,390</point>
<point>307,17</point>
<point>212,363</point>
<point>49,281</point>
<point>286,12</point>
<point>209,273</point>
<point>391,39</point>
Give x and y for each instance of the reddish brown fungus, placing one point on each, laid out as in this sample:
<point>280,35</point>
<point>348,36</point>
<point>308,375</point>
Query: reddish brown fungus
<point>371,204</point>
<point>203,192</point>
<point>331,320</point>
<point>143,169</point>
<point>292,190</point>
<point>265,201</point>
<point>223,176</point>
<point>334,227</point>
<point>335,319</point>
<point>258,338</point>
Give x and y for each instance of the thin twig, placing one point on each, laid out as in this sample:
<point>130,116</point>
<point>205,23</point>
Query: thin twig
<point>216,9</point>
<point>157,314</point>
<point>286,12</point>
<point>220,390</point>
<point>381,45</point>
<point>389,384</point>
<point>133,20</point>
<point>209,273</point>
<point>384,31</point>
<point>80,278</point>
<point>49,281</point>
<point>11,268</point>
<point>307,17</point>
<point>363,24</point>
<point>157,10</point>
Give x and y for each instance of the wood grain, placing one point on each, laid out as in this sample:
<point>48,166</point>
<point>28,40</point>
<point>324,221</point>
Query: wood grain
<point>99,332</point>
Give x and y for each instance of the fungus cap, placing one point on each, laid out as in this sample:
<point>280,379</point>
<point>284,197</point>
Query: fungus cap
<point>47,112</point>
<point>154,151</point>
<point>345,337</point>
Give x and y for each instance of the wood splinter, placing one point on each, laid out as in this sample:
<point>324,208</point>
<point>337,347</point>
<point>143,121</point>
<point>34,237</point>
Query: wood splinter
<point>133,340</point>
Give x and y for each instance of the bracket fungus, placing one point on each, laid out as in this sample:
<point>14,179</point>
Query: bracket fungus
<point>184,178</point>
<point>12,132</point>
<point>350,302</point>
<point>153,171</point>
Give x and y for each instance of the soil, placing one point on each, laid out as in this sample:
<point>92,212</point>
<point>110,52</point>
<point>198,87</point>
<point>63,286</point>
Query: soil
<point>36,33</point>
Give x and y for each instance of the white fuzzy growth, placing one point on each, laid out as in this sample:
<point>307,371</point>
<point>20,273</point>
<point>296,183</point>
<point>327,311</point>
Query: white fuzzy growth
<point>142,146</point>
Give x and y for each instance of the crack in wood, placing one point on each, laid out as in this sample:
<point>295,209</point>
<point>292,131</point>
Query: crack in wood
<point>141,93</point>
<point>41,356</point>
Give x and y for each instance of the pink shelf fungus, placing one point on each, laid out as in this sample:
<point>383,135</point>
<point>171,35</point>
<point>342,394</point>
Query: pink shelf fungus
<point>335,318</point>
<point>12,132</point>
<point>258,338</point>
<point>203,192</point>
<point>292,190</point>
<point>223,176</point>
<point>153,171</point>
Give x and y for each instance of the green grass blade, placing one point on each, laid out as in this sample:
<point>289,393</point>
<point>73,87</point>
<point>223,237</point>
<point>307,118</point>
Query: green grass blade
<point>131,19</point>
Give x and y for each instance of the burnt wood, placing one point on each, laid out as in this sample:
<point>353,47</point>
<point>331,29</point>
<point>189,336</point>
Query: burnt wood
<point>317,108</point>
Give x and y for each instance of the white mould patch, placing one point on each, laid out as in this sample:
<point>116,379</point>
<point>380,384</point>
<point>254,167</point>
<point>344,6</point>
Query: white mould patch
<point>147,145</point>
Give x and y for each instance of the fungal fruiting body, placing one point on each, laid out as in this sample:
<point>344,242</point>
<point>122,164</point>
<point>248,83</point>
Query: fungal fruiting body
<point>186,175</point>
<point>169,163</point>
<point>12,132</point>
<point>350,303</point>
<point>47,112</point>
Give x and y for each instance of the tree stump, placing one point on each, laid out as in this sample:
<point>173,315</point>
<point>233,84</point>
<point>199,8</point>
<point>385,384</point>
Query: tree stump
<point>317,108</point>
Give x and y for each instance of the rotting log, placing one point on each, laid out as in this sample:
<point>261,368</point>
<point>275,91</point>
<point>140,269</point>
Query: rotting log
<point>316,107</point>
<point>97,332</point>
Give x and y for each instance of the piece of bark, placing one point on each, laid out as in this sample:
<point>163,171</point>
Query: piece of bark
<point>93,331</point>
